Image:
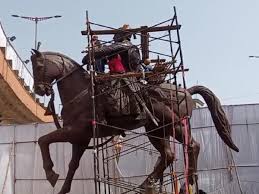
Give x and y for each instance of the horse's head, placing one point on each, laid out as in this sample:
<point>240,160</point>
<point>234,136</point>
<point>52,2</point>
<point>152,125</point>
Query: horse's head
<point>45,71</point>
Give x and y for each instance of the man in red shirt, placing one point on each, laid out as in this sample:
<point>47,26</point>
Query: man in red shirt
<point>115,64</point>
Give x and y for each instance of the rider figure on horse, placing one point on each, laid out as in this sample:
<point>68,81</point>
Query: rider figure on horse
<point>130,59</point>
<point>122,57</point>
<point>130,54</point>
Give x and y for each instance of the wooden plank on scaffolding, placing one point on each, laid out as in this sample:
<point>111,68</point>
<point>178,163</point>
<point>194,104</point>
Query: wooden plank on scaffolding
<point>134,30</point>
<point>144,39</point>
<point>134,74</point>
<point>157,60</point>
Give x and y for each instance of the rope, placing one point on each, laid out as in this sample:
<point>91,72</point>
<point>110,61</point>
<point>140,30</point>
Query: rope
<point>237,175</point>
<point>7,170</point>
<point>186,144</point>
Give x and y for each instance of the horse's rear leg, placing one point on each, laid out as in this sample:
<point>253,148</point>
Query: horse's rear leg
<point>193,151</point>
<point>62,135</point>
<point>162,144</point>
<point>77,152</point>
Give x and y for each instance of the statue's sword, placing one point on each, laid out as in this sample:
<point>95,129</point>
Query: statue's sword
<point>140,101</point>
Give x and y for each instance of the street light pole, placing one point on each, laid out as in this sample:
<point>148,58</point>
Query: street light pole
<point>253,56</point>
<point>36,21</point>
<point>36,32</point>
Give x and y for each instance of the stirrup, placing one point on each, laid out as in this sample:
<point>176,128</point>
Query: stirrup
<point>123,134</point>
<point>141,116</point>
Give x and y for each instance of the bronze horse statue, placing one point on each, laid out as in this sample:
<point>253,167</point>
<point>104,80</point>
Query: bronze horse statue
<point>74,87</point>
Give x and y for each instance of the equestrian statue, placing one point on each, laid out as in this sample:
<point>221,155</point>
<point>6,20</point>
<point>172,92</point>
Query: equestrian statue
<point>74,86</point>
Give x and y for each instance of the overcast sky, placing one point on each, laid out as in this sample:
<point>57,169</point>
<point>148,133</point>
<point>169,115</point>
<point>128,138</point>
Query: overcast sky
<point>217,36</point>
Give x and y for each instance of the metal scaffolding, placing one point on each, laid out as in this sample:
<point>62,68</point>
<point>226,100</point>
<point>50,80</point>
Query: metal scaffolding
<point>177,69</point>
<point>107,176</point>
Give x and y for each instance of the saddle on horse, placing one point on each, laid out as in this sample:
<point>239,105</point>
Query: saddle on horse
<point>118,98</point>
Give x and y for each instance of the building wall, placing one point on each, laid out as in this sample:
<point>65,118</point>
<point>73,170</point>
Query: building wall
<point>20,158</point>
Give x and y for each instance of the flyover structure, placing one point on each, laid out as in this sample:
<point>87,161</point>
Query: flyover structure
<point>18,103</point>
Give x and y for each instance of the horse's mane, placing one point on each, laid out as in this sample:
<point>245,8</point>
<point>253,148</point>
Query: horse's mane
<point>61,55</point>
<point>68,66</point>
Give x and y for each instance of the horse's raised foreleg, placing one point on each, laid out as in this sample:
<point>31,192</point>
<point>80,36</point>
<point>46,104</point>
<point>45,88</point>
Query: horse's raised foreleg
<point>62,135</point>
<point>77,152</point>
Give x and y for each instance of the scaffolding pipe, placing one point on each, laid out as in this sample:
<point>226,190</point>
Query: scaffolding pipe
<point>92,74</point>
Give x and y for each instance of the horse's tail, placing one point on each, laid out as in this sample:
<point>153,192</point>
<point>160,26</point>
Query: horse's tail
<point>217,114</point>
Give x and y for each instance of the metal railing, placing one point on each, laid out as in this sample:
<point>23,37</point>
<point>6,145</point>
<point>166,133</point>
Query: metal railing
<point>17,63</point>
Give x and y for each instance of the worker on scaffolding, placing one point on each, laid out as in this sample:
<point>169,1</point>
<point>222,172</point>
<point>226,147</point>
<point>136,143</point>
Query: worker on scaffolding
<point>123,57</point>
<point>99,63</point>
<point>115,64</point>
<point>129,53</point>
<point>130,59</point>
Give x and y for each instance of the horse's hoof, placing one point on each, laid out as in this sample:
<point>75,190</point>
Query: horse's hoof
<point>193,179</point>
<point>53,178</point>
<point>142,186</point>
